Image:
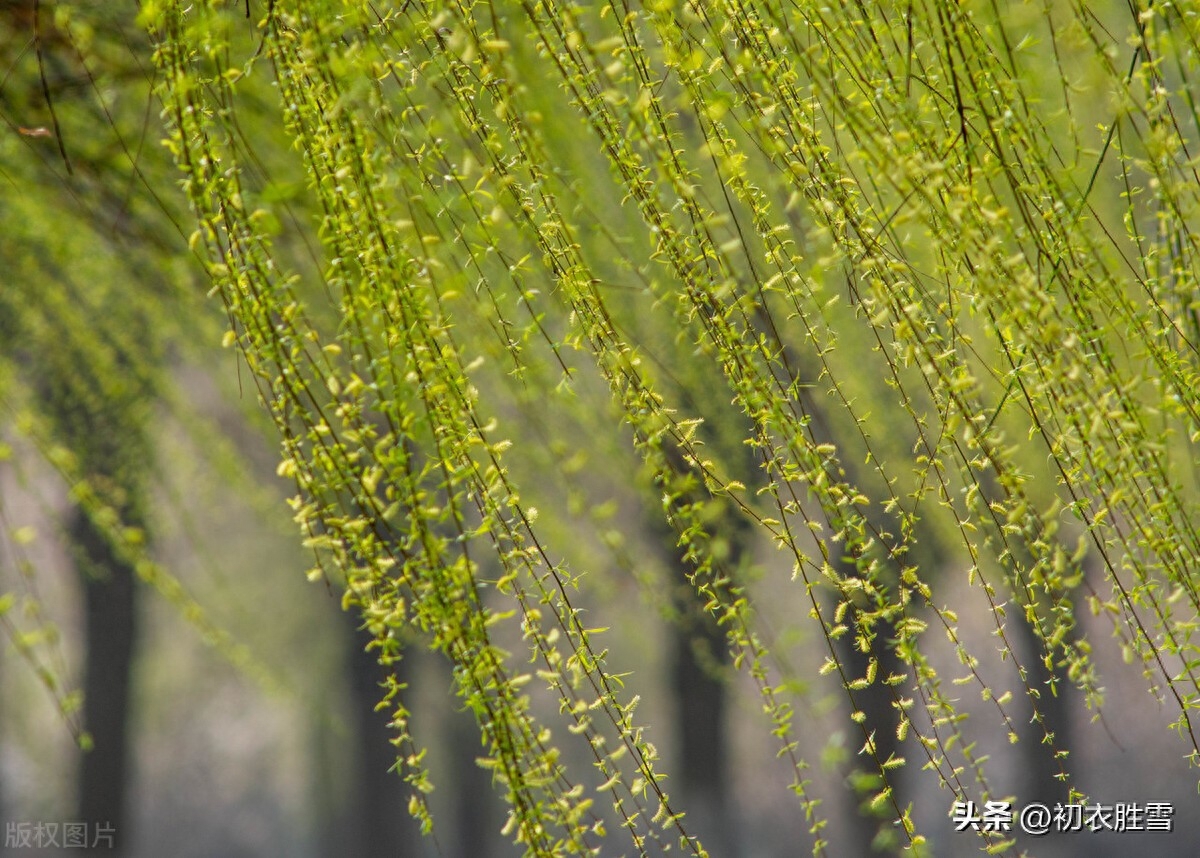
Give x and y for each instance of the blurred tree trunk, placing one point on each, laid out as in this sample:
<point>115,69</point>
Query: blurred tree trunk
<point>1050,696</point>
<point>100,416</point>
<point>866,824</point>
<point>475,806</point>
<point>1040,768</point>
<point>379,824</point>
<point>110,633</point>
<point>699,664</point>
<point>700,658</point>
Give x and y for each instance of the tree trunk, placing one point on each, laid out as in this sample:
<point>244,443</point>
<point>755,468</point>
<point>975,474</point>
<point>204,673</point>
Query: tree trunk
<point>864,777</point>
<point>380,825</point>
<point>110,630</point>
<point>700,656</point>
<point>1039,767</point>
<point>476,818</point>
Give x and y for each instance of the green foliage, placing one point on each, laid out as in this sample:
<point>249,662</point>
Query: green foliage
<point>907,289</point>
<point>89,300</point>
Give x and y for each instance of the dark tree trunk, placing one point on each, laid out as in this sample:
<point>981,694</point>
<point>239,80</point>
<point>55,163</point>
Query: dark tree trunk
<point>379,825</point>
<point>864,776</point>
<point>1040,768</point>
<point>110,624</point>
<point>700,657</point>
<point>699,676</point>
<point>476,810</point>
